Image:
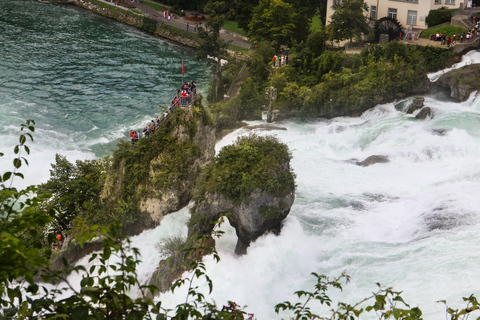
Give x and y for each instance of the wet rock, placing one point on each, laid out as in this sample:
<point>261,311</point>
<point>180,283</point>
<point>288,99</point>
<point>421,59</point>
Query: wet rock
<point>461,82</point>
<point>260,213</point>
<point>416,104</point>
<point>373,160</point>
<point>424,113</point>
<point>444,218</point>
<point>439,132</point>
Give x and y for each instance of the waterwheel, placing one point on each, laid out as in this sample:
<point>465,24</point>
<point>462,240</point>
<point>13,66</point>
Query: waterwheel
<point>388,26</point>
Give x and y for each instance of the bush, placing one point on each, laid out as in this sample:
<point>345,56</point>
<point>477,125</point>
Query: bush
<point>169,246</point>
<point>439,16</point>
<point>252,162</point>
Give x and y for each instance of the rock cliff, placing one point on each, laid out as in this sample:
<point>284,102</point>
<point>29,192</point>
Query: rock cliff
<point>157,175</point>
<point>461,82</point>
<point>249,182</point>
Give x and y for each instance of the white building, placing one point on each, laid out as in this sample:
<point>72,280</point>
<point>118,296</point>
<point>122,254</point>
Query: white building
<point>410,13</point>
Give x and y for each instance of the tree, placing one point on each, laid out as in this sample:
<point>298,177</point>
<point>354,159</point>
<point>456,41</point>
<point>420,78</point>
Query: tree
<point>273,21</point>
<point>348,20</point>
<point>243,12</point>
<point>75,188</point>
<point>211,44</point>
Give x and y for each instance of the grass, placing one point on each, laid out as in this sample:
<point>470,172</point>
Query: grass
<point>231,25</point>
<point>154,6</point>
<point>447,30</point>
<point>239,49</point>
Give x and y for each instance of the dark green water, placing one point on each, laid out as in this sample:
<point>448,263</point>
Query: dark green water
<point>85,79</point>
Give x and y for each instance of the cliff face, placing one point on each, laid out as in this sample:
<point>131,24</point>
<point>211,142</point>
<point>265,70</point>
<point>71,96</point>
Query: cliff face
<point>163,200</point>
<point>157,175</point>
<point>461,82</point>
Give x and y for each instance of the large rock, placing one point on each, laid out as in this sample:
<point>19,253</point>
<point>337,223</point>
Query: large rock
<point>373,160</point>
<point>162,181</point>
<point>415,105</point>
<point>461,82</point>
<point>260,213</point>
<point>424,113</point>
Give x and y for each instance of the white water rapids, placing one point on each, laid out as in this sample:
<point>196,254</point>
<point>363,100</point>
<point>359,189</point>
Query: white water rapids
<point>410,224</point>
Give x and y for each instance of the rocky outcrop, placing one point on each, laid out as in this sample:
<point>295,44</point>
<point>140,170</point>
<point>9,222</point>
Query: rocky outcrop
<point>424,113</point>
<point>157,176</point>
<point>461,82</point>
<point>415,105</point>
<point>251,184</point>
<point>162,201</point>
<point>260,213</point>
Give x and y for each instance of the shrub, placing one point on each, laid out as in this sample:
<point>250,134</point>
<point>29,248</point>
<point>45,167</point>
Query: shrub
<point>439,16</point>
<point>167,247</point>
<point>252,162</point>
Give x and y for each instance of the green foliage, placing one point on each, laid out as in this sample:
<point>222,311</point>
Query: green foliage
<point>273,21</point>
<point>211,45</point>
<point>210,42</point>
<point>169,246</point>
<point>270,212</point>
<point>244,11</point>
<point>149,24</point>
<point>172,165</point>
<point>386,303</point>
<point>439,16</point>
<point>75,188</point>
<point>234,27</point>
<point>449,31</point>
<point>259,64</point>
<point>336,83</point>
<point>252,162</point>
<point>348,20</point>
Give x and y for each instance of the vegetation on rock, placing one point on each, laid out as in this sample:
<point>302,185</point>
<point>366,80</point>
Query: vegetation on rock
<point>252,162</point>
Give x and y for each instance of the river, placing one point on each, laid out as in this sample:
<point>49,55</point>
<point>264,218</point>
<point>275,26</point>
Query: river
<point>410,224</point>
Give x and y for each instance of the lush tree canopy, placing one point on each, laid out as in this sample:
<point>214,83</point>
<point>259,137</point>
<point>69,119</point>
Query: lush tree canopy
<point>348,20</point>
<point>273,21</point>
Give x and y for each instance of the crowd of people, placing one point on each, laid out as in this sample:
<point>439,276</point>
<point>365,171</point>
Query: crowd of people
<point>279,61</point>
<point>185,95</point>
<point>462,37</point>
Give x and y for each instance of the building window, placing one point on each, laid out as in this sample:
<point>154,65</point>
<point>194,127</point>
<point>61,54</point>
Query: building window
<point>336,2</point>
<point>450,2</point>
<point>373,12</point>
<point>412,17</point>
<point>438,1</point>
<point>392,13</point>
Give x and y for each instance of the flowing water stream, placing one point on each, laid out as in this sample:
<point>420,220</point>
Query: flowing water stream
<point>411,223</point>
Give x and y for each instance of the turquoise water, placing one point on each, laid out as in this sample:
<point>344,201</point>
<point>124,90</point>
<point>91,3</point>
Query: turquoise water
<point>85,79</point>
